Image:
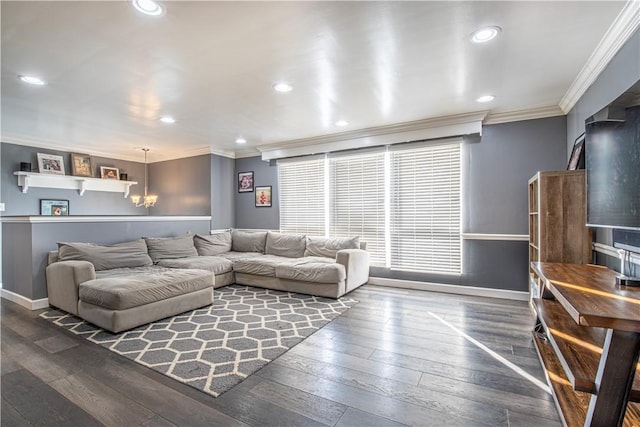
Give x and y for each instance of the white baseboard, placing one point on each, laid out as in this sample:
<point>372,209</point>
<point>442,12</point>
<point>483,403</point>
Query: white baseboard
<point>24,301</point>
<point>451,289</point>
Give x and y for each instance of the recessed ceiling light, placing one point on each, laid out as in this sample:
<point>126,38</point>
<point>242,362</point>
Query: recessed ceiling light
<point>33,80</point>
<point>167,119</point>
<point>485,98</point>
<point>241,141</point>
<point>282,87</point>
<point>342,123</point>
<point>148,7</point>
<point>485,34</point>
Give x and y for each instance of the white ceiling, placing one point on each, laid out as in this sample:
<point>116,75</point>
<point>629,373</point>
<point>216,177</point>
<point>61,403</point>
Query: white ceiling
<point>112,72</point>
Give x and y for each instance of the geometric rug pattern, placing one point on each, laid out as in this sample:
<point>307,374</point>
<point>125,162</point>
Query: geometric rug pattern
<point>216,347</point>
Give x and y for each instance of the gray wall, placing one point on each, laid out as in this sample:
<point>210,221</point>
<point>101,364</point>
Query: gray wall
<point>247,215</point>
<point>23,266</point>
<point>92,203</point>
<point>222,192</point>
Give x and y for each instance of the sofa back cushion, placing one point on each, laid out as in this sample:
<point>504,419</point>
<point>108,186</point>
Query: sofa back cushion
<point>106,257</point>
<point>287,245</point>
<point>327,247</point>
<point>215,244</point>
<point>243,241</point>
<point>170,247</point>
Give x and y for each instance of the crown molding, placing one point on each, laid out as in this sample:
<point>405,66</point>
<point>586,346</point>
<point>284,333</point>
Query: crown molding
<point>246,154</point>
<point>200,151</point>
<point>624,26</point>
<point>440,127</point>
<point>520,115</point>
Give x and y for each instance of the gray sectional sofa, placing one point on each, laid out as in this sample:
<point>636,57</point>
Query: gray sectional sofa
<point>118,287</point>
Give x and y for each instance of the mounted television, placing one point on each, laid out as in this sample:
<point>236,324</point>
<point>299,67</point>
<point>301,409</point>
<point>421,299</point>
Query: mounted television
<point>613,171</point>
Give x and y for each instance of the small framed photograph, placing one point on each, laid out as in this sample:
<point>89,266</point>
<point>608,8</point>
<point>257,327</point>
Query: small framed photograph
<point>50,163</point>
<point>81,165</point>
<point>109,173</point>
<point>245,182</point>
<point>54,207</point>
<point>263,197</point>
<point>576,161</point>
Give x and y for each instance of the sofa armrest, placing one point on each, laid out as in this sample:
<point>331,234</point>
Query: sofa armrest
<point>356,264</point>
<point>63,282</point>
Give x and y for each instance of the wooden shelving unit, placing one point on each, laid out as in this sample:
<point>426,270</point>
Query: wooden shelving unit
<point>557,218</point>
<point>582,310</point>
<point>27,180</point>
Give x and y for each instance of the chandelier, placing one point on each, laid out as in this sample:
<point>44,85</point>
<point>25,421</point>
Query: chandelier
<point>148,200</point>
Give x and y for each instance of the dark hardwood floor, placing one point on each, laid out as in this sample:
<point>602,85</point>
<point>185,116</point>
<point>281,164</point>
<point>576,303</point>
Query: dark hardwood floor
<point>396,358</point>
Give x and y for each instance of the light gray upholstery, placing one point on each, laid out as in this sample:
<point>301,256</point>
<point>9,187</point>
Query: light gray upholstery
<point>329,290</point>
<point>310,271</point>
<point>234,256</point>
<point>326,247</point>
<point>63,283</point>
<point>106,257</point>
<point>214,244</point>
<point>242,241</point>
<point>286,245</point>
<point>170,247</point>
<point>261,266</point>
<point>215,264</point>
<point>121,292</point>
<point>356,262</point>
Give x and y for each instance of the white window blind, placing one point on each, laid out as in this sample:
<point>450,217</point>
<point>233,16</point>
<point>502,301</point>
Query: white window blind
<point>302,197</point>
<point>425,209</point>
<point>357,201</point>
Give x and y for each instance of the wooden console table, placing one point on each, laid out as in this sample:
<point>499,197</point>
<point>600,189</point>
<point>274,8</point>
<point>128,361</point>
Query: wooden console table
<point>590,352</point>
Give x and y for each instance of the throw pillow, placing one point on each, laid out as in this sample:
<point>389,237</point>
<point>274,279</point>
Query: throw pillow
<point>287,245</point>
<point>106,257</point>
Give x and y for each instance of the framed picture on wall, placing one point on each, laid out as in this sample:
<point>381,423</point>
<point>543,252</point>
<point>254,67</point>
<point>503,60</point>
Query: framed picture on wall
<point>245,182</point>
<point>50,207</point>
<point>81,165</point>
<point>109,173</point>
<point>50,163</point>
<point>576,161</point>
<point>263,197</point>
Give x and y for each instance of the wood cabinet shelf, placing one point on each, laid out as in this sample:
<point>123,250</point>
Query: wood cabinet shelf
<point>27,180</point>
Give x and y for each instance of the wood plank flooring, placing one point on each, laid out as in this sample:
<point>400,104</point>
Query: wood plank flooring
<point>396,358</point>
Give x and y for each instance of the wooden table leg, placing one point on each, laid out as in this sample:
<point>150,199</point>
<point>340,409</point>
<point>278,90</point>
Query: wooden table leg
<point>614,379</point>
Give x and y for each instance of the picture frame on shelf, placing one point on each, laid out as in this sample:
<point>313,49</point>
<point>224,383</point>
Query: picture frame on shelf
<point>263,197</point>
<point>81,165</point>
<point>51,164</point>
<point>107,172</point>
<point>49,207</point>
<point>576,161</point>
<point>245,182</point>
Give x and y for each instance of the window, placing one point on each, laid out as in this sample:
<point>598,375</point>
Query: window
<point>357,203</point>
<point>404,202</point>
<point>425,209</point>
<point>302,196</point>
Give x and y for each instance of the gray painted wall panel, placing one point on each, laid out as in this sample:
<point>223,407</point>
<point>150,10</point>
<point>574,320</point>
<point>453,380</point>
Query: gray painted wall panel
<point>24,268</point>
<point>92,203</point>
<point>497,170</point>
<point>247,215</point>
<point>222,192</point>
<point>183,186</point>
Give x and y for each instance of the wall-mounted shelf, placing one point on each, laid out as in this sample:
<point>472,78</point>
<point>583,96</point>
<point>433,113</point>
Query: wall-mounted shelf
<point>68,182</point>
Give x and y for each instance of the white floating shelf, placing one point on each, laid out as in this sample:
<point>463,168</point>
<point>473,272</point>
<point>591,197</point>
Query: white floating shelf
<point>69,182</point>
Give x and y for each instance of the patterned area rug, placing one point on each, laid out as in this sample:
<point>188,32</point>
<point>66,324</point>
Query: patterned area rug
<point>217,347</point>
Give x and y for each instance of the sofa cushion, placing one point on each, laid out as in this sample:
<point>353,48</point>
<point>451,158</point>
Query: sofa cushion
<point>312,271</point>
<point>326,247</point>
<point>286,245</point>
<point>261,266</point>
<point>170,247</point>
<point>242,241</point>
<point>106,257</point>
<point>119,292</point>
<point>233,256</point>
<point>214,264</point>
<point>214,244</point>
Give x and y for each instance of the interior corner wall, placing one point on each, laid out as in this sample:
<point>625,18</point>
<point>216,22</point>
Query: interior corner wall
<point>622,72</point>
<point>183,186</point>
<point>222,192</point>
<point>18,203</point>
<point>246,213</point>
